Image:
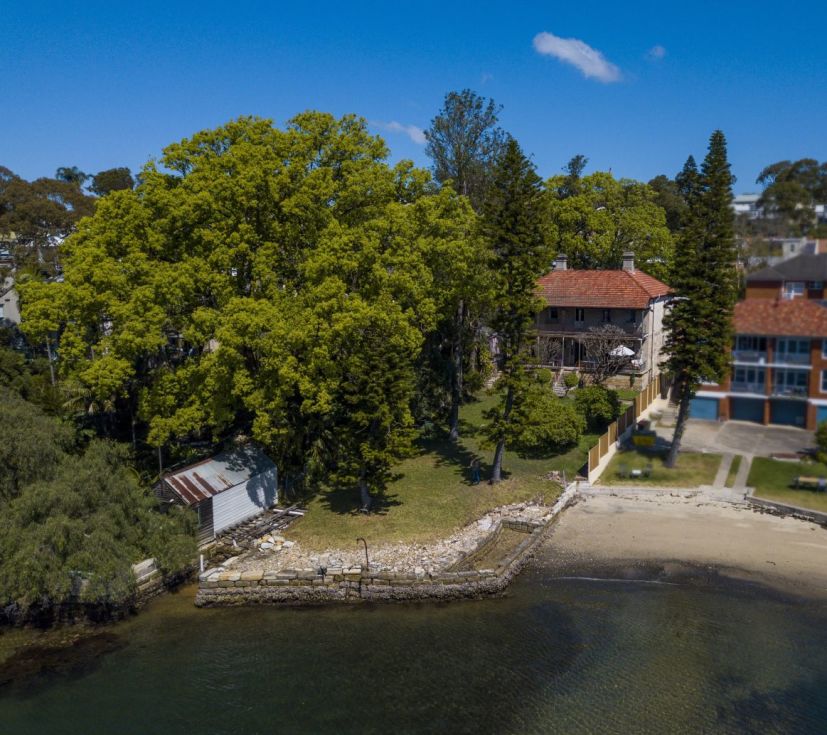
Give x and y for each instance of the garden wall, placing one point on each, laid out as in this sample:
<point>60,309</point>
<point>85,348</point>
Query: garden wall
<point>602,452</point>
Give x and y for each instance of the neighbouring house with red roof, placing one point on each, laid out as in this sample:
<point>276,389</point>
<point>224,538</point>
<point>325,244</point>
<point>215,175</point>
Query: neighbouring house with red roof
<point>779,366</point>
<point>578,303</point>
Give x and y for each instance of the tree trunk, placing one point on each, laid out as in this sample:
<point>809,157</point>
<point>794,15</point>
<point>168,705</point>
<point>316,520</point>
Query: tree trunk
<point>364,493</point>
<point>499,452</point>
<point>456,375</point>
<point>680,424</point>
<point>51,364</point>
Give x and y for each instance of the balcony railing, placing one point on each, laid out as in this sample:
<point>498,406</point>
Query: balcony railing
<point>748,387</point>
<point>749,356</point>
<point>792,358</point>
<point>797,391</point>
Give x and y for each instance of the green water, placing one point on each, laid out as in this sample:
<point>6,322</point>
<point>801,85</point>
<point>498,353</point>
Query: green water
<point>554,656</point>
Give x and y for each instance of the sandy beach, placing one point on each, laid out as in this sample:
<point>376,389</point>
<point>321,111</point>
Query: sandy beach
<point>657,530</point>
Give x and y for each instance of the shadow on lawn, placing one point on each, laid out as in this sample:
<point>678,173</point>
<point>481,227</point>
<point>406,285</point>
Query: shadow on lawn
<point>346,501</point>
<point>456,454</point>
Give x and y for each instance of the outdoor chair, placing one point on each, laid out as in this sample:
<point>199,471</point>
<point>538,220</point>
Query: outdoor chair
<point>647,470</point>
<point>622,471</point>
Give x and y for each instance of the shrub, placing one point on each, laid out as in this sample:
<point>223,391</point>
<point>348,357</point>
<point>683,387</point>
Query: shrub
<point>543,375</point>
<point>546,424</point>
<point>598,405</point>
<point>570,380</point>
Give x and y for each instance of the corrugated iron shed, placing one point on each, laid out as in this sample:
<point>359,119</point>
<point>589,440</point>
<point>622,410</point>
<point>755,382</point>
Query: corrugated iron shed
<point>225,470</point>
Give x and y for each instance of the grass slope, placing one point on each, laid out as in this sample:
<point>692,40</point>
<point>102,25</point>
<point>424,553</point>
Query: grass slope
<point>772,480</point>
<point>432,495</point>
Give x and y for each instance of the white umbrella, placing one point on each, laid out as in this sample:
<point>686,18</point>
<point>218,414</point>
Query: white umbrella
<point>622,351</point>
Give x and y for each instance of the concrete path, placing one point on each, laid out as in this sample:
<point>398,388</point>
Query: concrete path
<point>723,470</point>
<point>743,473</point>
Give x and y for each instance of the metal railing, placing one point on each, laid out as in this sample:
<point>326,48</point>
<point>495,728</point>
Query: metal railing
<point>748,387</point>
<point>749,356</point>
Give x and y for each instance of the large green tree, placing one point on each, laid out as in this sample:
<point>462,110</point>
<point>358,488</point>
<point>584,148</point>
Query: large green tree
<point>262,280</point>
<point>512,225</point>
<point>699,323</point>
<point>464,140</point>
<point>596,218</point>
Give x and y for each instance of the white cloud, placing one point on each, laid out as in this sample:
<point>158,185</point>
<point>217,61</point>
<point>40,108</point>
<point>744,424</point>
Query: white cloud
<point>656,53</point>
<point>573,51</point>
<point>417,135</point>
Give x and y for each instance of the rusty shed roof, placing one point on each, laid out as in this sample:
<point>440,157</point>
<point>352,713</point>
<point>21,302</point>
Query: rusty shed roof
<point>212,476</point>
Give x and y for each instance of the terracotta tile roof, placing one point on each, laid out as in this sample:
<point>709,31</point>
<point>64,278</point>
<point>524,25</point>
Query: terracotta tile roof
<point>617,289</point>
<point>790,318</point>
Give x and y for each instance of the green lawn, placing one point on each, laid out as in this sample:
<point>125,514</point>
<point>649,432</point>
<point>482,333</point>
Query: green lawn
<point>772,480</point>
<point>691,469</point>
<point>432,495</point>
<point>733,471</point>
<point>627,394</point>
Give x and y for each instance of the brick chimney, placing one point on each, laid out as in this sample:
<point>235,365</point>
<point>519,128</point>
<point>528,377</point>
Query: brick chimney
<point>561,262</point>
<point>629,261</point>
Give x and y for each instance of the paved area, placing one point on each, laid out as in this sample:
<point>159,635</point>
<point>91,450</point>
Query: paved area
<point>741,437</point>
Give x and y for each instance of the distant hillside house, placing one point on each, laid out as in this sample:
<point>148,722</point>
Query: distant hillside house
<point>9,303</point>
<point>798,278</point>
<point>579,302</point>
<point>224,490</point>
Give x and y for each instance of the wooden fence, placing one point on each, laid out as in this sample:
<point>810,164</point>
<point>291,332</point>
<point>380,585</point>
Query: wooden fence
<point>642,401</point>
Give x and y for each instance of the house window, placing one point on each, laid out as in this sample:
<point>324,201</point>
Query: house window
<point>552,315</point>
<point>793,289</point>
<point>750,343</point>
<point>798,349</point>
<point>632,316</point>
<point>816,285</point>
<point>579,316</point>
<point>824,381</point>
<point>607,315</point>
<point>824,348</point>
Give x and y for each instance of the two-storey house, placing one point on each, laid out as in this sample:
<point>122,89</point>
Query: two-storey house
<point>578,301</point>
<point>802,277</point>
<point>779,366</point>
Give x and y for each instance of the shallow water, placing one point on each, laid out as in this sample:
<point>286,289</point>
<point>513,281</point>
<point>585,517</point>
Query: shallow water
<point>554,656</point>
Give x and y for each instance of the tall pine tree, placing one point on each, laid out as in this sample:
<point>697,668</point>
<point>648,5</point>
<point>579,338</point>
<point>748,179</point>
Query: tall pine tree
<point>699,324</point>
<point>512,225</point>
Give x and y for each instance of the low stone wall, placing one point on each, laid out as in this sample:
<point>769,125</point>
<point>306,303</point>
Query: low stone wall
<point>357,584</point>
<point>307,586</point>
<point>788,510</point>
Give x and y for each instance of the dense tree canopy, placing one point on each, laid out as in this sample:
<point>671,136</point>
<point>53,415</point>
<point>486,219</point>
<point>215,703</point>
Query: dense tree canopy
<point>791,188</point>
<point>277,281</point>
<point>595,219</point>
<point>111,179</point>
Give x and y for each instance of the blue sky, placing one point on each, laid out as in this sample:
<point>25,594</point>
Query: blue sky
<point>106,84</point>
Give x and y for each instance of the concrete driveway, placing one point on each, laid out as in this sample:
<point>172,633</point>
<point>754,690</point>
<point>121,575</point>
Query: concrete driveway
<point>742,437</point>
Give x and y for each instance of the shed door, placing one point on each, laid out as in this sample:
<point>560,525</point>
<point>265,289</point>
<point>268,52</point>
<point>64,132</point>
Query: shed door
<point>704,408</point>
<point>205,521</point>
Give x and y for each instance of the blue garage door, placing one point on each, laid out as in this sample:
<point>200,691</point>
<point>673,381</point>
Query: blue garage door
<point>746,409</point>
<point>821,414</point>
<point>792,413</point>
<point>704,408</point>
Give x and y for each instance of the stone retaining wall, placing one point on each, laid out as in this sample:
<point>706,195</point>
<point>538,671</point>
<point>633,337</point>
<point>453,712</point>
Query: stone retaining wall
<point>356,584</point>
<point>788,510</point>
